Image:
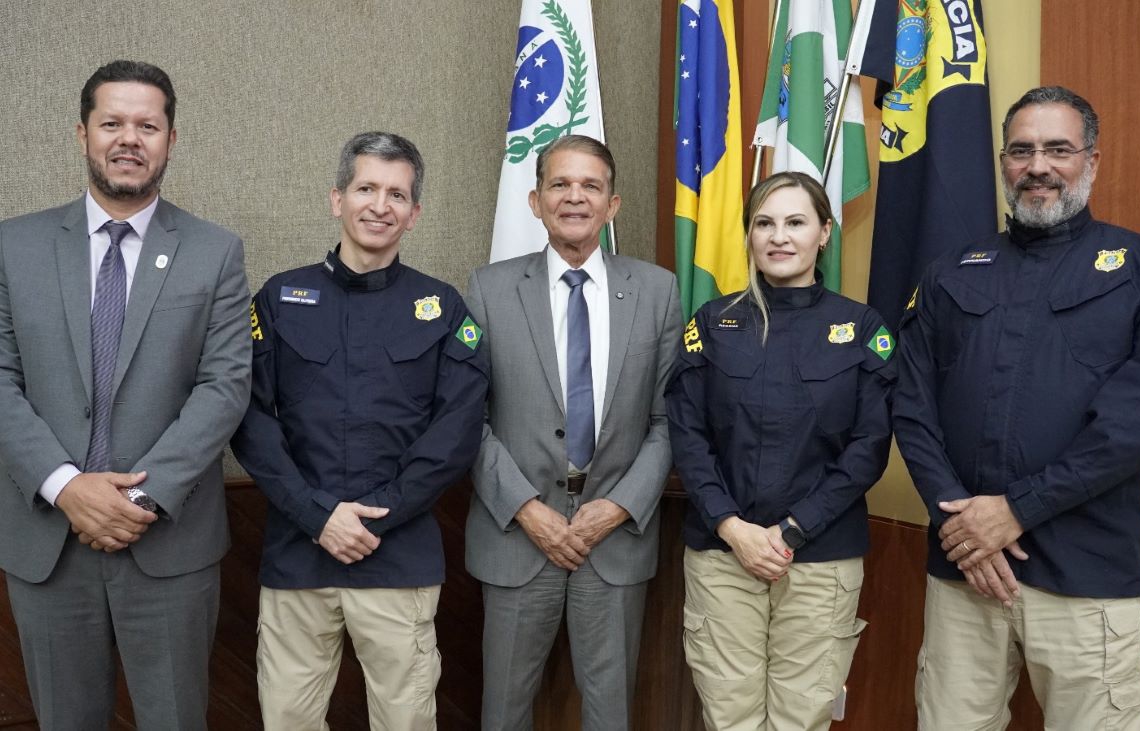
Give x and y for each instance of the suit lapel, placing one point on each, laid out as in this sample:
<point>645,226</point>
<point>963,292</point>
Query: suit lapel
<point>73,260</point>
<point>621,323</point>
<point>149,278</point>
<point>534,291</point>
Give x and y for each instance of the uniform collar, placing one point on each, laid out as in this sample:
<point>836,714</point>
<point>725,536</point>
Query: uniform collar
<point>1063,232</point>
<point>792,298</point>
<point>368,281</point>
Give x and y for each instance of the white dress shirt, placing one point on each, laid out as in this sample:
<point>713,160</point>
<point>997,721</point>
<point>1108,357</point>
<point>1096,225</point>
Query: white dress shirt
<point>596,293</point>
<point>100,241</point>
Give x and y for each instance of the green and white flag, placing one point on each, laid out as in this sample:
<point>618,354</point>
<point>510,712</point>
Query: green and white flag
<point>554,93</point>
<point>805,75</point>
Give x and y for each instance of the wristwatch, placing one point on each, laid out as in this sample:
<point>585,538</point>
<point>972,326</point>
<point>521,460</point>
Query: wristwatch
<point>792,534</point>
<point>140,498</point>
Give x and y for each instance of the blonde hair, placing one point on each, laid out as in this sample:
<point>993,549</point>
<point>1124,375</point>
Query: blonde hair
<point>756,198</point>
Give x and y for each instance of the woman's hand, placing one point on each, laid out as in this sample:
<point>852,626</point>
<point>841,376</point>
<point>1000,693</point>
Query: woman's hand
<point>761,551</point>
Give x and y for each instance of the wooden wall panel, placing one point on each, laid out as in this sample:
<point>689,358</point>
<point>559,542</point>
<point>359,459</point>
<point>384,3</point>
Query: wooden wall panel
<point>1091,48</point>
<point>880,687</point>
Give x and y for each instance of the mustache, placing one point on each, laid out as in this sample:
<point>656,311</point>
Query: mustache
<point>128,152</point>
<point>1025,181</point>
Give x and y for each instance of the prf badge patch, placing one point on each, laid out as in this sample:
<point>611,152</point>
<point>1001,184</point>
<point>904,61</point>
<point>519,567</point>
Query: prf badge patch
<point>1110,261</point>
<point>844,333</point>
<point>469,333</point>
<point>255,322</point>
<point>300,296</point>
<point>692,338</point>
<point>881,343</point>
<point>428,308</point>
<point>979,257</point>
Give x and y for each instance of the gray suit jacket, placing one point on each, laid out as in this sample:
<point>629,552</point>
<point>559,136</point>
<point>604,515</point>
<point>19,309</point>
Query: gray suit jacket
<point>181,383</point>
<point>522,456</point>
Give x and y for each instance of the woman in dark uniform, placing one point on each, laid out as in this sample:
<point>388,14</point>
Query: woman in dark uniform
<point>779,419</point>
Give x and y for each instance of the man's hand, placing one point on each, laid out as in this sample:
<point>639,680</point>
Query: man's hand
<point>596,519</point>
<point>102,515</point>
<point>550,531</point>
<point>992,576</point>
<point>344,535</point>
<point>980,527</point>
<point>761,551</point>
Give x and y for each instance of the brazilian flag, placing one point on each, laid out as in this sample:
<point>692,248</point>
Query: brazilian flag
<point>709,211</point>
<point>936,163</point>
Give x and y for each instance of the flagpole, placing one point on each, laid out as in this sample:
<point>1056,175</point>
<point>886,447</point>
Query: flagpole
<point>837,121</point>
<point>758,158</point>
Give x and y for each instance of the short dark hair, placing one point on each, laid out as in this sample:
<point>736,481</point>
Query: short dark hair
<point>138,71</point>
<point>578,143</point>
<point>1056,95</point>
<point>386,146</point>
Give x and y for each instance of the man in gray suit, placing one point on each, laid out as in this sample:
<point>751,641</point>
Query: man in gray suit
<point>124,368</point>
<point>576,449</point>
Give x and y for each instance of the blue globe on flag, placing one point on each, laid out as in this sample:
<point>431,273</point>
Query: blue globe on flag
<point>538,79</point>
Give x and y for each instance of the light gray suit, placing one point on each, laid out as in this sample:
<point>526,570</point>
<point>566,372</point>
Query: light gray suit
<point>523,456</point>
<point>181,387</point>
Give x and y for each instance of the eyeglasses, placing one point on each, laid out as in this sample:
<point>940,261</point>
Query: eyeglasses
<point>1056,155</point>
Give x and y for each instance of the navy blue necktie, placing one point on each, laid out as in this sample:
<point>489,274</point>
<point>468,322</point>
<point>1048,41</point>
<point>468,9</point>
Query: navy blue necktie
<point>106,327</point>
<point>579,376</point>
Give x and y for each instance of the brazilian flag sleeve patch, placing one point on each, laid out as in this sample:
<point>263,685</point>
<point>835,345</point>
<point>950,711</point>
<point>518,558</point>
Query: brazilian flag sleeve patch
<point>882,343</point>
<point>469,333</point>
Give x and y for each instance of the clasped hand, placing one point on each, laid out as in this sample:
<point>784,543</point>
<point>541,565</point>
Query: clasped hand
<point>760,550</point>
<point>974,537</point>
<point>99,511</point>
<point>566,543</point>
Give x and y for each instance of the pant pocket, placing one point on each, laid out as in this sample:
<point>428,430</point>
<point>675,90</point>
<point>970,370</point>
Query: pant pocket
<point>837,664</point>
<point>1122,654</point>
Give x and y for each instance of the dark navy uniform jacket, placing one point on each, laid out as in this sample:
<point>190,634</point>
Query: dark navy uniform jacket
<point>1019,375</point>
<point>366,388</point>
<point>800,425</point>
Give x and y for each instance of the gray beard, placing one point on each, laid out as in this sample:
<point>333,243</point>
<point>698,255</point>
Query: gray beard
<point>1068,204</point>
<point>119,192</point>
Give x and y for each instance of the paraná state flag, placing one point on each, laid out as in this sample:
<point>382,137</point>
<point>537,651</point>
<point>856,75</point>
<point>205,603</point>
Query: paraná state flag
<point>554,93</point>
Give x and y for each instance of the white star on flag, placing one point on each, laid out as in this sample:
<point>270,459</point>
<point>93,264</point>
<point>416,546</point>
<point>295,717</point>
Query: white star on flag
<point>541,98</point>
<point>684,74</point>
<point>539,61</point>
<point>524,83</point>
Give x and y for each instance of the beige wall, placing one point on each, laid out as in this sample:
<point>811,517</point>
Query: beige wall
<point>268,93</point>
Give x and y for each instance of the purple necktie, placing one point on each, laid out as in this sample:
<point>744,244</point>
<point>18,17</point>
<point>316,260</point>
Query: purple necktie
<point>106,327</point>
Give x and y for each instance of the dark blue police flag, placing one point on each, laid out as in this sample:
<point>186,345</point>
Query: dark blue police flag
<point>936,164</point>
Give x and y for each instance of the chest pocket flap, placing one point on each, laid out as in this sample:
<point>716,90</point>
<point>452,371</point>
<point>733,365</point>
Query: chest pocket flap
<point>1097,320</point>
<point>1072,297</point>
<point>734,361</point>
<point>966,297</point>
<point>823,366</point>
<point>414,363</point>
<point>302,358</point>
<point>832,380</point>
<point>307,343</point>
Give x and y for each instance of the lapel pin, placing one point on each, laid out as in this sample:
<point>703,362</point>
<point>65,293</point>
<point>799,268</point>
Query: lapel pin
<point>161,261</point>
<point>620,295</point>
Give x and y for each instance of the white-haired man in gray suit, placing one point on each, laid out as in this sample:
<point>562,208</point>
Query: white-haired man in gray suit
<point>576,449</point>
<point>124,368</point>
